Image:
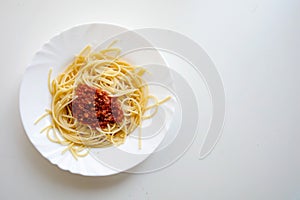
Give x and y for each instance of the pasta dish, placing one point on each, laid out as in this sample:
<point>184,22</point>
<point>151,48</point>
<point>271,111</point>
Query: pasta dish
<point>97,101</point>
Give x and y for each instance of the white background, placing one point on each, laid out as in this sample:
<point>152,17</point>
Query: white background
<point>256,48</point>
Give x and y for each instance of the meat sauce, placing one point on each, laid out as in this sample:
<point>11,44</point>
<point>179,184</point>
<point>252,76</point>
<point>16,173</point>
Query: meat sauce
<point>95,108</point>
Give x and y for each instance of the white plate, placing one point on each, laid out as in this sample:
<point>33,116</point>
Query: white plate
<point>197,106</point>
<point>35,98</point>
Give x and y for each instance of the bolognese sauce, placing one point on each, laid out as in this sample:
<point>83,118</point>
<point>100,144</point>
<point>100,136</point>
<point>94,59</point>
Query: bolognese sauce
<point>94,107</point>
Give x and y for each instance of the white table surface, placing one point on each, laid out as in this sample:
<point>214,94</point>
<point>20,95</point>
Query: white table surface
<point>256,48</point>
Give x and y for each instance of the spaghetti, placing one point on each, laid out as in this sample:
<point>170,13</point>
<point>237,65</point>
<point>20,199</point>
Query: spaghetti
<point>97,101</point>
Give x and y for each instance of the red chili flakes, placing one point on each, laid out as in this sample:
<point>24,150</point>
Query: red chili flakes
<point>95,108</point>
